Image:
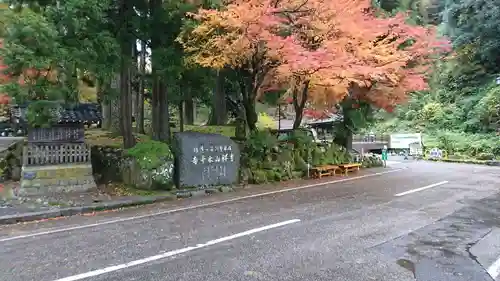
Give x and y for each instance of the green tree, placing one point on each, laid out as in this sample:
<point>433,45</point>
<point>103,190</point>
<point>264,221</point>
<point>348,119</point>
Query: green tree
<point>49,46</point>
<point>475,23</point>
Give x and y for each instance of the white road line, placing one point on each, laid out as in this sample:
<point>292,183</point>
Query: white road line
<point>494,269</point>
<point>421,188</point>
<point>173,253</point>
<point>59,230</point>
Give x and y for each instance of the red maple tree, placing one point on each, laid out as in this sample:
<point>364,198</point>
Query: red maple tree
<point>320,51</point>
<point>365,56</point>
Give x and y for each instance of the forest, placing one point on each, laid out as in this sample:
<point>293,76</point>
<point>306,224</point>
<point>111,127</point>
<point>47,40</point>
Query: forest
<point>460,112</point>
<point>156,65</point>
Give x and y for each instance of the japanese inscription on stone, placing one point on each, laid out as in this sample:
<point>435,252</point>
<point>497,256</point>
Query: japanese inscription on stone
<point>206,159</point>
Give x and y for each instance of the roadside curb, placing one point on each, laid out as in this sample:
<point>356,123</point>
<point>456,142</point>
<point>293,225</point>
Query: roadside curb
<point>71,211</point>
<point>180,194</point>
<point>493,163</point>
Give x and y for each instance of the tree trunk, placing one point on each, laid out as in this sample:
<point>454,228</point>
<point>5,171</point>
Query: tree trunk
<point>103,97</point>
<point>220,99</point>
<point>347,127</point>
<point>106,115</point>
<point>248,101</point>
<point>161,114</point>
<point>188,107</point>
<point>114,105</point>
<point>155,11</point>
<point>299,105</point>
<point>181,116</point>
<point>348,140</point>
<point>250,113</point>
<point>140,104</point>
<point>134,77</point>
<point>164,113</point>
<point>155,104</point>
<point>125,69</point>
<point>218,115</point>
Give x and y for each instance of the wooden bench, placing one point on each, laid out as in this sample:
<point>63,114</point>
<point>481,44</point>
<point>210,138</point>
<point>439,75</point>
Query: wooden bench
<point>324,170</point>
<point>346,168</point>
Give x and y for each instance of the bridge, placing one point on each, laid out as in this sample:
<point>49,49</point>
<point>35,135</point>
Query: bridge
<point>367,143</point>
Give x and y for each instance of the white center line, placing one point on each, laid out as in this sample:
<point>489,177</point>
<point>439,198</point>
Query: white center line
<point>192,207</point>
<point>173,253</point>
<point>421,188</point>
<point>494,269</point>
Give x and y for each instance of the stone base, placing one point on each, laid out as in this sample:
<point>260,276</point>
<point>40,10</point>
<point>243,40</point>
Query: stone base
<point>40,180</point>
<point>7,192</point>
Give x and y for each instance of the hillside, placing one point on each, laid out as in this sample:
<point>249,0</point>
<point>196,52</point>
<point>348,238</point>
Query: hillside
<point>460,112</point>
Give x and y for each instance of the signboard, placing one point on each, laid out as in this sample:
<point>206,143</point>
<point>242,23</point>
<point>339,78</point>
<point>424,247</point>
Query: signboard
<point>403,141</point>
<point>436,153</point>
<point>205,160</point>
<point>416,148</point>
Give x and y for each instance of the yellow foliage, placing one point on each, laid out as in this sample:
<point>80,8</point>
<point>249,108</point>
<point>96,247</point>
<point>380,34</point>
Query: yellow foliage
<point>266,122</point>
<point>87,94</point>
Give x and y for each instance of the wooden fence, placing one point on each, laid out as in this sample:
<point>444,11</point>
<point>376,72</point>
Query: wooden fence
<point>54,154</point>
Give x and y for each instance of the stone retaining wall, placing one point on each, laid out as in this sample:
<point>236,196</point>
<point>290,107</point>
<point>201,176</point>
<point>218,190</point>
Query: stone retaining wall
<point>11,160</point>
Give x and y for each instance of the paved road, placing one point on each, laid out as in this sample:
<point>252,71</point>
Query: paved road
<point>428,222</point>
<point>5,142</point>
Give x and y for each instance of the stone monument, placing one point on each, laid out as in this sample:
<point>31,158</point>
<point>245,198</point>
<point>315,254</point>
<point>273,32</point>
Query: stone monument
<point>204,160</point>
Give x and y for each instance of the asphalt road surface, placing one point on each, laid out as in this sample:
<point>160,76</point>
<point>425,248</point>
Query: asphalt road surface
<point>412,221</point>
<point>5,142</point>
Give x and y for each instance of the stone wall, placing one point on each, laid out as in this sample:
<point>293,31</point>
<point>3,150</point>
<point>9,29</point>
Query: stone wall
<point>10,164</point>
<point>56,178</point>
<point>11,160</point>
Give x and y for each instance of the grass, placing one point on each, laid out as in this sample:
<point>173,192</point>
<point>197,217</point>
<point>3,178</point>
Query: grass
<point>227,131</point>
<point>99,137</point>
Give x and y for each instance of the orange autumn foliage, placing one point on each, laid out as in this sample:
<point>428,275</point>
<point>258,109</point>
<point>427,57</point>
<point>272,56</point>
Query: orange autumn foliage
<point>326,49</point>
<point>28,76</point>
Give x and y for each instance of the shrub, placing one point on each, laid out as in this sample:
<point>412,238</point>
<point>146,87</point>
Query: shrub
<point>259,145</point>
<point>466,145</point>
<point>485,156</point>
<point>258,176</point>
<point>371,160</point>
<point>151,154</point>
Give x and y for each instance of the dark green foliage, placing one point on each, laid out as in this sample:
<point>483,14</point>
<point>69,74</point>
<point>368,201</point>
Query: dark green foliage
<point>461,112</point>
<point>266,160</point>
<point>475,23</point>
<point>56,43</point>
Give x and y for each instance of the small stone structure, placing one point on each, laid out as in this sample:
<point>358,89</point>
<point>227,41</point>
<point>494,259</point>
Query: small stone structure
<point>56,159</point>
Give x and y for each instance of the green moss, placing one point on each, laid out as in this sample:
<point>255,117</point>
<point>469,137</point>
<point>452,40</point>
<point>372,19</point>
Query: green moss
<point>228,131</point>
<point>103,138</point>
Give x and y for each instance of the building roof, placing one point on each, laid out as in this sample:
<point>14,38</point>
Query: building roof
<point>80,113</point>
